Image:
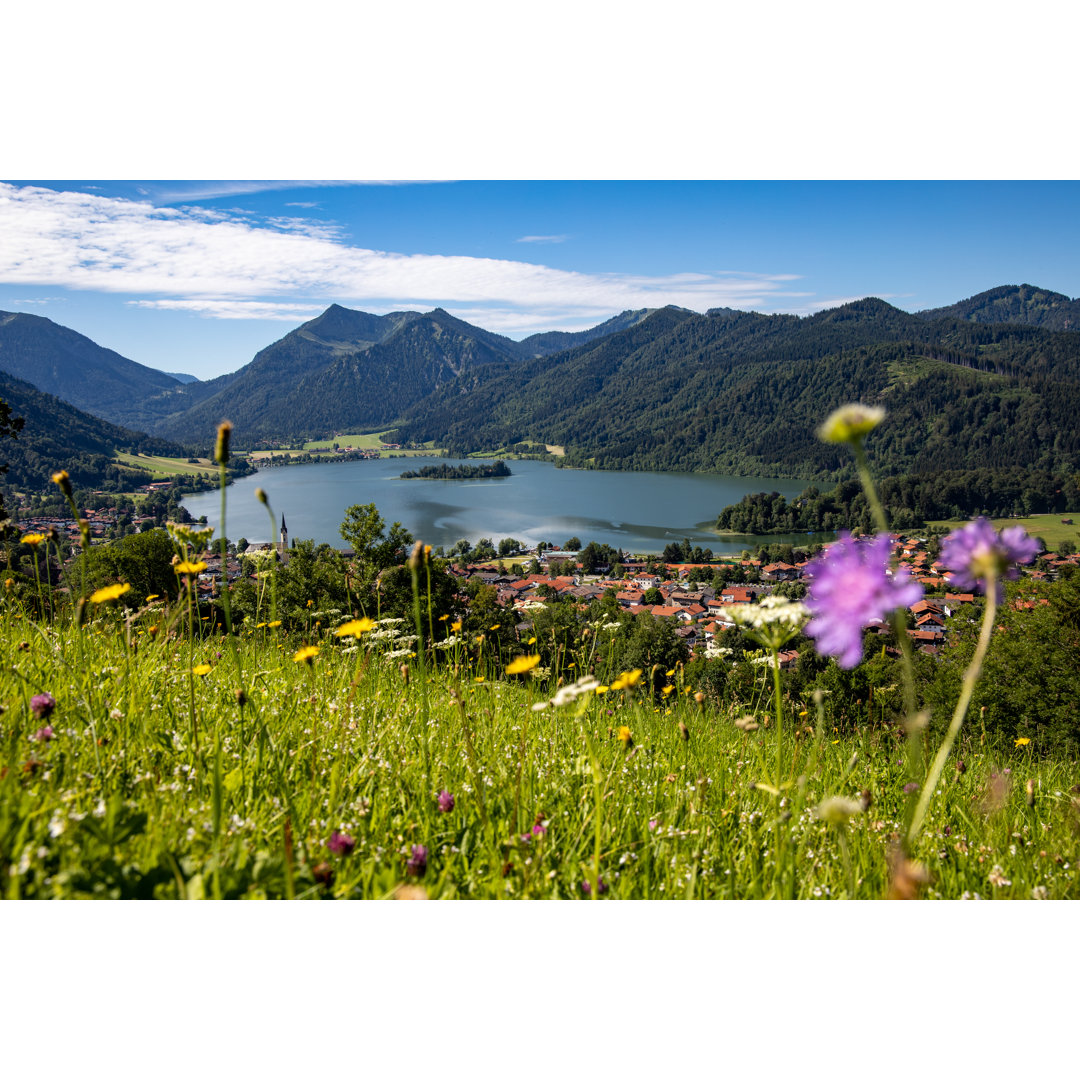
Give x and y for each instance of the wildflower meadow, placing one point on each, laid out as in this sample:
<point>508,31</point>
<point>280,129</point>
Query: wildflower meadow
<point>154,751</point>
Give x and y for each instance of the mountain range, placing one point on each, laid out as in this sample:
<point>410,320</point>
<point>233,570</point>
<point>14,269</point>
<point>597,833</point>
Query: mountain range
<point>992,380</point>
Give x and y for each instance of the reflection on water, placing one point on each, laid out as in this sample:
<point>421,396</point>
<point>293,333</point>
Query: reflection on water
<point>642,512</point>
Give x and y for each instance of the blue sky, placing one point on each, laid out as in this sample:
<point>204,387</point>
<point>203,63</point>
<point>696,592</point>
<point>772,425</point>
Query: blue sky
<point>198,276</point>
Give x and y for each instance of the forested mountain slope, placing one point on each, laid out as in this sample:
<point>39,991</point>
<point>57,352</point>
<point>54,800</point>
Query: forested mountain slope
<point>742,392</point>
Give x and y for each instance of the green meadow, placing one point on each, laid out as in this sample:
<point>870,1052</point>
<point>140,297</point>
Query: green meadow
<point>161,467</point>
<point>176,766</point>
<point>1048,527</point>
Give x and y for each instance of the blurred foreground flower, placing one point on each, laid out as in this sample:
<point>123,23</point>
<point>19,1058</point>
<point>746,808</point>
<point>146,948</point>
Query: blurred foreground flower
<point>850,588</point>
<point>446,802</point>
<point>850,423</point>
<point>45,734</point>
<point>306,654</point>
<point>340,843</point>
<point>627,678</point>
<point>522,664</point>
<point>110,592</point>
<point>417,862</point>
<point>189,567</point>
<point>355,627</point>
<point>836,810</point>
<point>585,685</point>
<point>975,552</point>
<point>42,705</point>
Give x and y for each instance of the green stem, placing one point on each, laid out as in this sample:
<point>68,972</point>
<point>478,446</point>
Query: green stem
<point>971,677</point>
<point>897,618</point>
<point>779,715</point>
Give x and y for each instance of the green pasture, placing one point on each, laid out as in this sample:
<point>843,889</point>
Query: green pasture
<point>162,467</point>
<point>1048,527</point>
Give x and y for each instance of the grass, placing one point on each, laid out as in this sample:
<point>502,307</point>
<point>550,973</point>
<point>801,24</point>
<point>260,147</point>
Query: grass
<point>1047,527</point>
<point>365,441</point>
<point>164,466</point>
<point>158,783</point>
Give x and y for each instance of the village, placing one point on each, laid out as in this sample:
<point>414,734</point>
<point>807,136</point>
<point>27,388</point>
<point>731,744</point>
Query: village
<point>701,600</point>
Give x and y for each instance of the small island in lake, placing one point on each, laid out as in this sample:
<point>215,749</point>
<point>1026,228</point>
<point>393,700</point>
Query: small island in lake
<point>458,472</point>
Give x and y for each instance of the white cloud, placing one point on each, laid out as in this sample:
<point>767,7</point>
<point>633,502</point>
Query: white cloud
<point>196,258</point>
<point>541,239</point>
<point>237,309</point>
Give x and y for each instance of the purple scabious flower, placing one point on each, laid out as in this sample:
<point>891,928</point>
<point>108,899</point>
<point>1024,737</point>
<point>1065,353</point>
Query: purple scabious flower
<point>340,843</point>
<point>975,550</point>
<point>601,887</point>
<point>849,589</point>
<point>446,802</point>
<point>45,734</point>
<point>417,862</point>
<point>42,705</point>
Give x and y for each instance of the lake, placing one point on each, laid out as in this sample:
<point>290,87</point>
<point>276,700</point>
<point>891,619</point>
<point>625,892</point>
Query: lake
<point>636,511</point>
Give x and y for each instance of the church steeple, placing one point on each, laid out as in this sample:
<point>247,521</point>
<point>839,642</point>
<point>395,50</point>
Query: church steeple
<point>283,545</point>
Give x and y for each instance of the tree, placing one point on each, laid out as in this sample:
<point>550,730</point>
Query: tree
<point>484,550</point>
<point>365,532</point>
<point>143,560</point>
<point>573,544</point>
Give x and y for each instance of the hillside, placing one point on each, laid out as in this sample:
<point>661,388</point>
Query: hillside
<point>1026,304</point>
<point>345,369</point>
<point>741,392</point>
<point>56,435</point>
<point>558,340</point>
<point>60,361</point>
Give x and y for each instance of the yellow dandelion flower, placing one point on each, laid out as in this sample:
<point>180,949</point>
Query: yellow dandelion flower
<point>33,539</point>
<point>259,625</point>
<point>153,596</point>
<point>531,641</point>
<point>189,567</point>
<point>670,673</point>
<point>455,626</point>
<point>110,592</point>
<point>63,482</point>
<point>627,678</point>
<point>479,678</point>
<point>306,654</point>
<point>201,669</point>
<point>667,690</point>
<point>624,737</point>
<point>522,664</point>
<point>276,622</point>
<point>443,618</point>
<point>495,627</point>
<point>355,627</point>
<point>1021,742</point>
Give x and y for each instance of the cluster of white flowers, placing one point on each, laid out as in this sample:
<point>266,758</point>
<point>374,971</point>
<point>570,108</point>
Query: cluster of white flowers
<point>772,611</point>
<point>567,694</point>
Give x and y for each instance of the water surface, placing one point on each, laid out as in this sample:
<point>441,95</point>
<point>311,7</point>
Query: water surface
<point>635,511</point>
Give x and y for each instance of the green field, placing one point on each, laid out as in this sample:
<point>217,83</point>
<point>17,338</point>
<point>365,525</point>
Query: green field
<point>371,441</point>
<point>1047,527</point>
<point>162,467</point>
